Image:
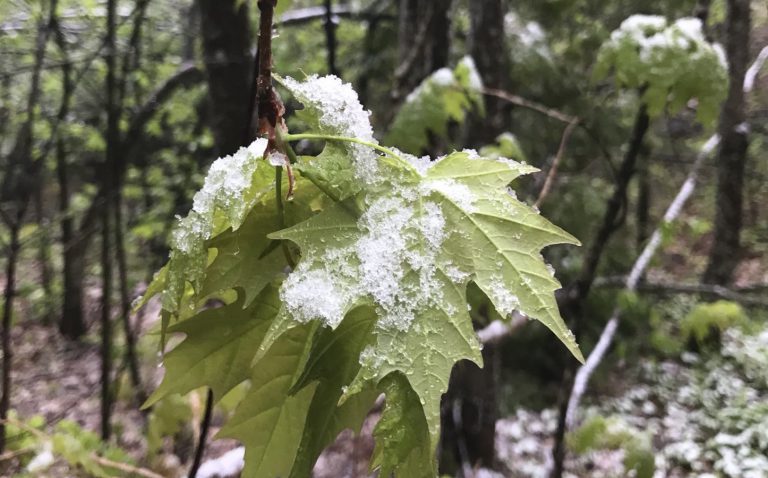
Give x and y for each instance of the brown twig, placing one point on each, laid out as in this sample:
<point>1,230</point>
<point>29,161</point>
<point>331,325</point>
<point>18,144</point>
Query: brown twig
<point>531,105</point>
<point>552,174</point>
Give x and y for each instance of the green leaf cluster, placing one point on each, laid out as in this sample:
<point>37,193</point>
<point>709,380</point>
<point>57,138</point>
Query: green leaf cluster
<point>445,96</point>
<point>672,63</point>
<point>376,302</point>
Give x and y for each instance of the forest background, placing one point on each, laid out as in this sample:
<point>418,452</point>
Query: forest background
<point>111,113</point>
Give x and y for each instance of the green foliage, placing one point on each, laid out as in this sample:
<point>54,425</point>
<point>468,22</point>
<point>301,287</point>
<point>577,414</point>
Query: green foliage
<point>443,97</point>
<point>716,317</point>
<point>69,442</point>
<point>376,302</point>
<point>670,63</point>
<point>613,434</point>
<point>506,146</point>
<point>167,418</point>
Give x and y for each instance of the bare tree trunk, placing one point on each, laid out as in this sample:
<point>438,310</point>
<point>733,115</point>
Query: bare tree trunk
<point>106,213</point>
<point>424,42</point>
<point>71,322</point>
<point>43,251</point>
<point>16,189</point>
<point>226,49</point>
<point>732,155</point>
<point>330,38</point>
<point>487,47</point>
<point>642,209</point>
<point>118,159</point>
<point>8,294</point>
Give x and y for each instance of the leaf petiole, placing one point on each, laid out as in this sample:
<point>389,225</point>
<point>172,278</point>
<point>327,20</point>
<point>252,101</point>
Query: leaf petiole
<point>347,139</point>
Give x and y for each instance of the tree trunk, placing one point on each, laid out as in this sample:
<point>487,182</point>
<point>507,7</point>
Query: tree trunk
<point>732,154</point>
<point>8,295</point>
<point>330,38</point>
<point>423,42</point>
<point>110,187</point>
<point>226,50</point>
<point>44,252</point>
<point>469,414</point>
<point>487,47</point>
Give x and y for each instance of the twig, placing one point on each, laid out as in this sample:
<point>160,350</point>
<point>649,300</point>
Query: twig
<point>497,330</point>
<point>10,455</point>
<point>751,76</point>
<point>204,426</point>
<point>699,289</point>
<point>466,468</point>
<point>531,105</point>
<point>552,174</point>
<point>124,467</point>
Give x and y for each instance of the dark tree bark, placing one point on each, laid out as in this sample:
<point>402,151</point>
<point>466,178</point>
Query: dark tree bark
<point>643,207</point>
<point>469,414</point>
<point>15,192</point>
<point>732,154</point>
<point>226,50</point>
<point>109,188</point>
<point>8,295</point>
<point>488,49</point>
<point>44,251</point>
<point>423,42</point>
<point>330,38</point>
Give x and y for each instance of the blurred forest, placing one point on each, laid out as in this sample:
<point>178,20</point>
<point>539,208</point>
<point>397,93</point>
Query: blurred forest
<point>647,118</point>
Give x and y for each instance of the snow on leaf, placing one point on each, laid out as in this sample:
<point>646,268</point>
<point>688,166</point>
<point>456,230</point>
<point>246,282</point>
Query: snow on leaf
<point>445,96</point>
<point>672,62</point>
<point>234,184</point>
<point>332,107</point>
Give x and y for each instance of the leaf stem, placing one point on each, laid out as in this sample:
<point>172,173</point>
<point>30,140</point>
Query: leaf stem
<point>347,139</point>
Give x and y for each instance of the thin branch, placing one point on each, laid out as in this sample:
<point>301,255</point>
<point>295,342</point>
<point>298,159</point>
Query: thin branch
<point>638,269</point>
<point>552,174</point>
<point>205,424</point>
<point>498,330</point>
<point>531,105</point>
<point>754,70</point>
<point>735,295</point>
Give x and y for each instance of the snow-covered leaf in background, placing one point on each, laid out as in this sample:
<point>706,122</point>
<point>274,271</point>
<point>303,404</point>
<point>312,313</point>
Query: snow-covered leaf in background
<point>445,96</point>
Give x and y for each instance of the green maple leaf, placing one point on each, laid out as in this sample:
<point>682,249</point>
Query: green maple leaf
<point>270,421</point>
<point>411,255</point>
<point>246,258</point>
<point>333,362</point>
<point>401,433</point>
<point>218,349</point>
<point>234,184</point>
<point>377,302</point>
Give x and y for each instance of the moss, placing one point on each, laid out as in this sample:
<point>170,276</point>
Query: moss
<point>612,433</point>
<point>706,322</point>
